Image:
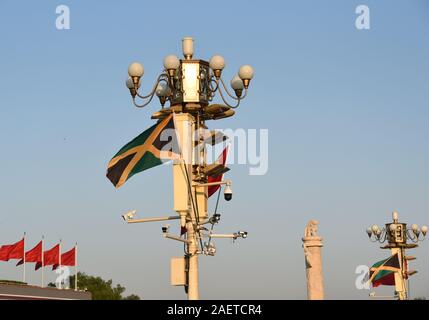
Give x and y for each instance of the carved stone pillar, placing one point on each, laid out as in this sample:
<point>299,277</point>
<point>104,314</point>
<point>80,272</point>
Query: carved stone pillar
<point>312,245</point>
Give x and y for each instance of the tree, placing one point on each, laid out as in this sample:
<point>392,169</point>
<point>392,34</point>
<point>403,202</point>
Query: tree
<point>99,288</point>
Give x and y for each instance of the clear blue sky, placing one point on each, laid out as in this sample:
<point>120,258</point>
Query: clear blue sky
<point>347,114</point>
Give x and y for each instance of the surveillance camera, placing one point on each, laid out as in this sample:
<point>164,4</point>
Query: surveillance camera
<point>215,218</point>
<point>242,234</point>
<point>165,228</point>
<point>129,215</point>
<point>209,249</point>
<point>228,193</point>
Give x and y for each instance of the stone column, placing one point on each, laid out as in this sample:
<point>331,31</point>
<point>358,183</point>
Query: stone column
<point>312,245</point>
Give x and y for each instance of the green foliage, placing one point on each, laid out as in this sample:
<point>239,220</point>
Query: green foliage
<point>12,282</point>
<point>99,288</point>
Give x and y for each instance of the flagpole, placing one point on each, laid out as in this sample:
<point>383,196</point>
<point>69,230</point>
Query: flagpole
<point>75,268</point>
<point>23,273</point>
<point>43,258</point>
<point>60,262</point>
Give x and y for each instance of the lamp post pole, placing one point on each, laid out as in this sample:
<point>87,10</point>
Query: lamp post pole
<point>192,265</point>
<point>399,238</point>
<point>185,201</point>
<point>189,85</point>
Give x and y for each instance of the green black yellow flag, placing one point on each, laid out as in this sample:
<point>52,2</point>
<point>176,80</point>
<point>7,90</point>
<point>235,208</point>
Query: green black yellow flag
<point>157,143</point>
<point>383,272</point>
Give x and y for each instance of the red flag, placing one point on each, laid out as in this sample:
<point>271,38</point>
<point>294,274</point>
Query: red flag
<point>4,252</point>
<point>221,160</point>
<point>50,257</point>
<point>34,255</point>
<point>12,251</point>
<point>67,259</point>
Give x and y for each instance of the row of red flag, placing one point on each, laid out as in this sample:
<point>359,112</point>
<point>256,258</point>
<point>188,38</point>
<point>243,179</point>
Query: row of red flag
<point>51,257</point>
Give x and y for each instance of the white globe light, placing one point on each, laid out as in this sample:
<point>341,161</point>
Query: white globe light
<point>415,227</point>
<point>217,62</point>
<point>424,230</point>
<point>245,72</point>
<point>135,69</point>
<point>237,83</point>
<point>162,89</point>
<point>369,232</point>
<point>188,47</point>
<point>171,62</point>
<point>130,84</point>
<point>395,216</point>
<point>374,228</point>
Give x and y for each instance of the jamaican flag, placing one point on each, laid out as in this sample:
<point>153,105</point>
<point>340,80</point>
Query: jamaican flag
<point>383,272</point>
<point>157,143</point>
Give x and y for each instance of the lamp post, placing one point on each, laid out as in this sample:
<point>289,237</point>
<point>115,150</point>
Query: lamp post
<point>189,86</point>
<point>399,238</point>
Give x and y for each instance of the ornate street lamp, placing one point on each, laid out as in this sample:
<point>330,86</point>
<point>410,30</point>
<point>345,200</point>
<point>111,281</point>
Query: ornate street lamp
<point>396,233</point>
<point>189,86</point>
<point>398,236</point>
<point>191,81</point>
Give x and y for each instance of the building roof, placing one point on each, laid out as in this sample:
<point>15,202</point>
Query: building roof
<point>13,291</point>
